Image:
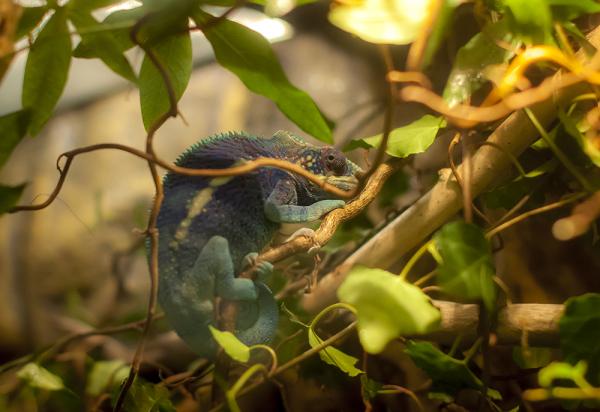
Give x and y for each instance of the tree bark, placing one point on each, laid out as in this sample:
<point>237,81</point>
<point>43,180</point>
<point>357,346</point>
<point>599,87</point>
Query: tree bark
<point>532,324</point>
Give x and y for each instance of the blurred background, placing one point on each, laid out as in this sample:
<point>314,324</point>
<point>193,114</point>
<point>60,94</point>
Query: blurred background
<point>80,263</point>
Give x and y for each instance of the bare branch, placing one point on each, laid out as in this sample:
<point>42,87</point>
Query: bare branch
<point>538,321</point>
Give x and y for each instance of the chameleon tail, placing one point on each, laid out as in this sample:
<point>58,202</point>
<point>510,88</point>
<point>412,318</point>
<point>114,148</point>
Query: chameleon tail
<point>257,320</point>
<point>190,321</point>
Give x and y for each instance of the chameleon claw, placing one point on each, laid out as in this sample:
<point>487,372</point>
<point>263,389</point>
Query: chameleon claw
<point>313,250</point>
<point>304,231</point>
<point>263,269</point>
<point>309,233</point>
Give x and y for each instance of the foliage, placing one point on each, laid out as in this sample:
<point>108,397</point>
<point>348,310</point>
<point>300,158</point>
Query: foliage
<point>231,344</point>
<point>333,356</point>
<point>471,69</point>
<point>249,56</point>
<point>37,376</point>
<point>386,307</point>
<point>448,374</point>
<point>465,263</point>
<point>381,21</point>
<point>174,54</point>
<point>580,331</point>
<point>146,397</point>
<point>407,140</point>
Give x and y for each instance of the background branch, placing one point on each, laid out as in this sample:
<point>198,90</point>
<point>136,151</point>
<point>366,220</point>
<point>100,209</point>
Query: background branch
<point>538,321</point>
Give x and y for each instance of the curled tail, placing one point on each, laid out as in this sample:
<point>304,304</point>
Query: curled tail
<point>256,319</point>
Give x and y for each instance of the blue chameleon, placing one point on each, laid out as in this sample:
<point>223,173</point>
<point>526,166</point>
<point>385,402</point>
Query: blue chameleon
<point>211,228</point>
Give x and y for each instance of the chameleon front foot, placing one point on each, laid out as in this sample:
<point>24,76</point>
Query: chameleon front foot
<point>263,269</point>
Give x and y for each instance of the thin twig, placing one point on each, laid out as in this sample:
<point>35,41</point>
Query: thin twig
<point>388,116</point>
<point>466,193</point>
<point>523,216</point>
<point>244,168</point>
<point>65,341</point>
<point>151,230</point>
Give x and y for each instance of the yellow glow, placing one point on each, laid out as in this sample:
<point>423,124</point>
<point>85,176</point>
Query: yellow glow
<point>381,21</point>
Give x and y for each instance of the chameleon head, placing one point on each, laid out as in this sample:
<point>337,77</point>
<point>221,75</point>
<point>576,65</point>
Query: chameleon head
<point>324,161</point>
<point>331,165</point>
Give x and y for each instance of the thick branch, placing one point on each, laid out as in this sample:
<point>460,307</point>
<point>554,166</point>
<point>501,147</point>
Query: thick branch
<point>536,324</point>
<point>444,200</point>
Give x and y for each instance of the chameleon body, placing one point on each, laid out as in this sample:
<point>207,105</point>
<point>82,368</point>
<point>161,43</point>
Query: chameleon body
<point>210,228</point>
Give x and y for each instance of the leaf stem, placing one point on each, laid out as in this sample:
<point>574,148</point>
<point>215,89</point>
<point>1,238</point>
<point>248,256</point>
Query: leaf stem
<point>523,216</point>
<point>271,353</point>
<point>558,152</point>
<point>329,309</point>
<point>414,258</point>
<point>239,384</point>
<point>472,350</point>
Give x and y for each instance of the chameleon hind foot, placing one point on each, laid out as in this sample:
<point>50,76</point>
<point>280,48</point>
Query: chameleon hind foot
<point>262,268</point>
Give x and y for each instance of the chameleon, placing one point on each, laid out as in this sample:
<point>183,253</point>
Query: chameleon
<point>211,228</point>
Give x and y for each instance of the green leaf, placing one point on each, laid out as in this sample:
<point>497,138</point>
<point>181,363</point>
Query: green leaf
<point>9,196</point>
<point>387,307</point>
<point>334,356</point>
<point>413,138</point>
<point>106,46</point>
<point>165,18</point>
<point>562,370</point>
<point>590,146</point>
<point>231,344</point>
<point>249,56</point>
<point>579,329</point>
<point>144,396</point>
<point>356,144</point>
<point>175,55</point>
<point>13,127</point>
<point>532,19</point>
<point>47,70</point>
<point>508,195</point>
<point>369,387</point>
<point>469,71</point>
<point>395,185</point>
<point>88,5</point>
<point>380,21</point>
<point>449,375</point>
<point>569,9</point>
<point>466,267</point>
<point>37,376</point>
<point>440,29</point>
<point>30,18</point>
<point>105,375</point>
<point>531,357</point>
<point>119,25</point>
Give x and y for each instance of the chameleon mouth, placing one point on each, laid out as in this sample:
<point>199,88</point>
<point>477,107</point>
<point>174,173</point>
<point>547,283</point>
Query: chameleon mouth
<point>346,183</point>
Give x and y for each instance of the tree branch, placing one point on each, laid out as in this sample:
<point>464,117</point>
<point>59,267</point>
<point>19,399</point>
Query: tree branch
<point>538,321</point>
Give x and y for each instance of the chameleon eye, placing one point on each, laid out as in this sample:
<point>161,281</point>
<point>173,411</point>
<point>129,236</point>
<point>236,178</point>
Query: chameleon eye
<point>335,162</point>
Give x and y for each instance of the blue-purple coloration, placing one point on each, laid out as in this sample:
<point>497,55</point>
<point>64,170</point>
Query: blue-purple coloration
<point>209,227</point>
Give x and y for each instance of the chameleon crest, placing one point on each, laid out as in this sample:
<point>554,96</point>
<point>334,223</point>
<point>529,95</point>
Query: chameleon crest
<point>210,228</point>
